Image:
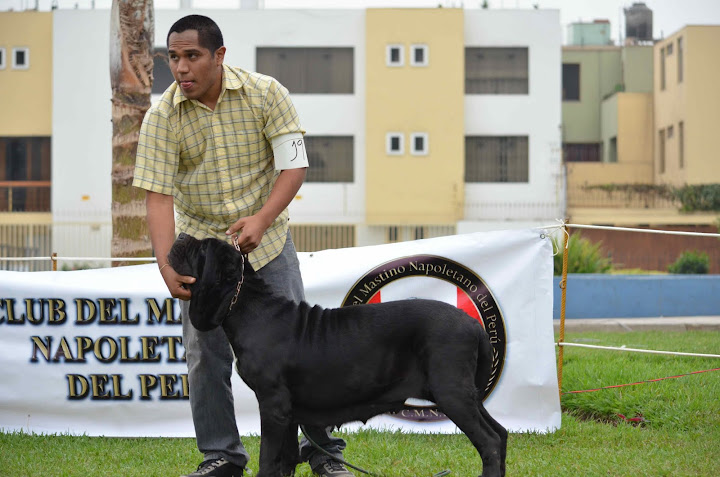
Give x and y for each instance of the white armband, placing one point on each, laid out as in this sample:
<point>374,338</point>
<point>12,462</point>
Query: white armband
<point>289,151</point>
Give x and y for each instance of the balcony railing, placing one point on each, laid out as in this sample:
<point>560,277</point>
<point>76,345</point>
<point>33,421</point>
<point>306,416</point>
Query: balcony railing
<point>629,196</point>
<point>24,196</point>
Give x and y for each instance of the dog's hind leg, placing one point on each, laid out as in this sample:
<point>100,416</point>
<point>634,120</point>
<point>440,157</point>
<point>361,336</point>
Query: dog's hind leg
<point>461,407</point>
<point>498,428</point>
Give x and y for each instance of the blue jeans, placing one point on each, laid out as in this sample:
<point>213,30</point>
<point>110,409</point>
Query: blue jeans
<point>210,365</point>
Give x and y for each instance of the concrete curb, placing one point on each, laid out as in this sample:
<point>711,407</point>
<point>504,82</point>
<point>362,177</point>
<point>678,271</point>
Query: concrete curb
<point>674,323</point>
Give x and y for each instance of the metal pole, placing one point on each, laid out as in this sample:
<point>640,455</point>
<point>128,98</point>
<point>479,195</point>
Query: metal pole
<point>563,293</point>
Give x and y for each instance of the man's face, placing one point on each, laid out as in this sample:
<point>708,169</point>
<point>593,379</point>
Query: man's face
<point>196,69</point>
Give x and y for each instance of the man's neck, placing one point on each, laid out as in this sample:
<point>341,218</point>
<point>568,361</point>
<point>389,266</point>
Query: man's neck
<point>213,95</point>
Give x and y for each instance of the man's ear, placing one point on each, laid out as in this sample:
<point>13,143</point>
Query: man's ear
<point>220,55</point>
<point>214,287</point>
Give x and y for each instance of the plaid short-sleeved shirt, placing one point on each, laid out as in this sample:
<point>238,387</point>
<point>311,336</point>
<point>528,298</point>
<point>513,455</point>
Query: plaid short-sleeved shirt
<point>218,164</point>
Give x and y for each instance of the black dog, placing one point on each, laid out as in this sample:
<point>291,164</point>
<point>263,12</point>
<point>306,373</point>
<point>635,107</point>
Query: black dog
<point>326,367</point>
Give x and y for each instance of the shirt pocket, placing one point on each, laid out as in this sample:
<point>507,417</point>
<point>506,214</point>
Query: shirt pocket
<point>196,140</point>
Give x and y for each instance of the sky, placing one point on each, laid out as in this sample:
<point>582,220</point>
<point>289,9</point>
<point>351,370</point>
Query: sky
<point>668,15</point>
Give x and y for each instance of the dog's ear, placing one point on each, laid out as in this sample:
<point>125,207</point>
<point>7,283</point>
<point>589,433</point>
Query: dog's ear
<point>218,268</point>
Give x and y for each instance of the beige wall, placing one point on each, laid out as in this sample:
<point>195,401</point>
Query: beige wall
<point>694,102</point>
<point>628,117</point>
<point>415,189</point>
<point>26,95</point>
<point>635,140</point>
<point>702,106</point>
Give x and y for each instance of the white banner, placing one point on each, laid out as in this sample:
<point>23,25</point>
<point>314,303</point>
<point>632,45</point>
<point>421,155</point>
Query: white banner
<point>100,352</point>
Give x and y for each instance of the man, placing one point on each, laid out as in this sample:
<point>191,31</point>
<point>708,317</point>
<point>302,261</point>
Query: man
<point>223,149</point>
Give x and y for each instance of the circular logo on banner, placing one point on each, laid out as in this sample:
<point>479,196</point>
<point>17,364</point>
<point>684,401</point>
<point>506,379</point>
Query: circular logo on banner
<point>472,296</point>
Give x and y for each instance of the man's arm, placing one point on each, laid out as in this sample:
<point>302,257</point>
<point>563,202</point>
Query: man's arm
<point>161,223</point>
<point>283,192</point>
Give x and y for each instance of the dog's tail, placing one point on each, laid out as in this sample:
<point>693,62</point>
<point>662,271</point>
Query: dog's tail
<point>484,365</point>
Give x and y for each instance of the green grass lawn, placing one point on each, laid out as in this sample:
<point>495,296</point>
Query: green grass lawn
<point>680,434</point>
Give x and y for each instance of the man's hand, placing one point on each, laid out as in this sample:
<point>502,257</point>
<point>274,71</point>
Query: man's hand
<point>175,282</point>
<point>249,231</point>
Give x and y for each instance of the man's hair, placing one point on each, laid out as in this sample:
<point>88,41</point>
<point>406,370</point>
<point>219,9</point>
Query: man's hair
<point>209,35</point>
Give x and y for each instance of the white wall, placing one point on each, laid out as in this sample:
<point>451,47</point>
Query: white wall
<point>536,115</point>
<point>81,133</point>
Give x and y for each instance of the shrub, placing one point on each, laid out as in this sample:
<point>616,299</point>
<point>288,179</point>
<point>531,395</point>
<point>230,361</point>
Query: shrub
<point>584,256</point>
<point>698,197</point>
<point>691,262</point>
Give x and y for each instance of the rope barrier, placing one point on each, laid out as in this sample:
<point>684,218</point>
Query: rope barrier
<point>647,231</point>
<point>84,259</point>
<point>640,382</point>
<point>635,350</point>
<point>560,225</point>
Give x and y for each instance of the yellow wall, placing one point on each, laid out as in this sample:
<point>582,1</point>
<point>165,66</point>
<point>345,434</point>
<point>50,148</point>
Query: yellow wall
<point>694,101</point>
<point>415,189</point>
<point>594,173</point>
<point>635,139</point>
<point>629,117</point>
<point>702,107</point>
<point>26,95</point>
<point>670,109</point>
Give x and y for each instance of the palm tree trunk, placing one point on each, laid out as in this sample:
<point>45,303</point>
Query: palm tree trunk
<point>132,26</point>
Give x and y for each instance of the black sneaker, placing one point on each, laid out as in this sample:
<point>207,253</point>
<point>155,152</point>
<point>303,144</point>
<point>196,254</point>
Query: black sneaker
<point>332,468</point>
<point>217,468</point>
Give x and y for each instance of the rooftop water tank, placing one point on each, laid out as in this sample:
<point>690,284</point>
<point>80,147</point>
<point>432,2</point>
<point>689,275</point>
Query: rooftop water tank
<point>639,22</point>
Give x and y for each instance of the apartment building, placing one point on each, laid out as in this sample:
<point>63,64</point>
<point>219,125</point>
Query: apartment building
<point>626,116</point>
<point>420,122</point>
<point>607,109</point>
<point>25,130</point>
<point>686,105</point>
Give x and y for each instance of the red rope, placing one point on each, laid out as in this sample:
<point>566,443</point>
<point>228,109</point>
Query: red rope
<point>641,382</point>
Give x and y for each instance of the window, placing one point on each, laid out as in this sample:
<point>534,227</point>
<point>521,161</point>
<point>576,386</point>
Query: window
<point>496,159</point>
<point>662,68</point>
<point>571,82</point>
<point>419,144</point>
<point>680,59</point>
<point>670,132</point>
<point>21,58</point>
<point>394,144</point>
<point>311,237</point>
<point>394,55</point>
<point>2,58</point>
<point>309,70</point>
<point>162,76</point>
<point>681,141</point>
<point>393,234</point>
<point>661,150</point>
<point>612,150</point>
<point>669,49</point>
<point>591,152</point>
<point>331,158</point>
<point>496,71</point>
<point>419,55</point>
<point>25,159</point>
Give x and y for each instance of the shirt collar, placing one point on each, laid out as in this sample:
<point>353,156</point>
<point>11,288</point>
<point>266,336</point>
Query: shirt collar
<point>233,78</point>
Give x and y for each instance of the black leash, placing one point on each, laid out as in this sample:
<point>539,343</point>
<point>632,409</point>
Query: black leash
<point>344,462</point>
